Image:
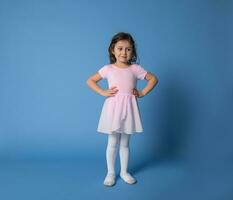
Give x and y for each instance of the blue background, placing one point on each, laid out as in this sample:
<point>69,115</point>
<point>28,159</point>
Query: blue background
<point>49,147</point>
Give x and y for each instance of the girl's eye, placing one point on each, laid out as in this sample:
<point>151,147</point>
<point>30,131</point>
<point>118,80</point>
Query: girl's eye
<point>120,49</point>
<point>129,49</point>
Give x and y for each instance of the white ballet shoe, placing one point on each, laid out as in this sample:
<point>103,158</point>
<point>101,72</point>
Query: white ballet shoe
<point>128,178</point>
<point>110,180</point>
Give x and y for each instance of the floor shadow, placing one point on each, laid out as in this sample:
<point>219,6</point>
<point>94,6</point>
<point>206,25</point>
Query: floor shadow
<point>151,162</point>
<point>169,120</point>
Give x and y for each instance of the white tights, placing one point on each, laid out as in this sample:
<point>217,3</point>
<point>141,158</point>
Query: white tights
<point>122,140</point>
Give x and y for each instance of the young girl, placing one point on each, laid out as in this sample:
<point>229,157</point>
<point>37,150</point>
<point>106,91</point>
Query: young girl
<point>120,116</point>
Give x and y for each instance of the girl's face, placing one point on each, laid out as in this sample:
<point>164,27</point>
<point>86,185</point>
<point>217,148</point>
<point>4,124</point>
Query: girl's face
<point>122,51</point>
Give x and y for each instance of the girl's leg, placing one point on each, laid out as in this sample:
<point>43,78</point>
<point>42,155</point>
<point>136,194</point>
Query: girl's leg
<point>113,140</point>
<point>124,159</point>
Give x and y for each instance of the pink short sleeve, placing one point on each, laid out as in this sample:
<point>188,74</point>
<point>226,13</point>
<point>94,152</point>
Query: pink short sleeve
<point>140,72</point>
<point>104,71</point>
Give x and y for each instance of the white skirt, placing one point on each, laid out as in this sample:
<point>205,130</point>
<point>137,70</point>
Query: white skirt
<point>120,114</point>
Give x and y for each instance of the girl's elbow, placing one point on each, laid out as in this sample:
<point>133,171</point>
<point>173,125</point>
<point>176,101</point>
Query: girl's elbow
<point>155,80</point>
<point>88,82</point>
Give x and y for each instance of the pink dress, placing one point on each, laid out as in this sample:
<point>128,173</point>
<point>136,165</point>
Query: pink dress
<point>120,113</point>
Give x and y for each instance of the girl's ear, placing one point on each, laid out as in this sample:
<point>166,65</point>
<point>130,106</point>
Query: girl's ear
<point>112,50</point>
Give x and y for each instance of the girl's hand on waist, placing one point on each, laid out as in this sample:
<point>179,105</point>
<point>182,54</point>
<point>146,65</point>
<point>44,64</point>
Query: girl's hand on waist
<point>110,92</point>
<point>138,93</point>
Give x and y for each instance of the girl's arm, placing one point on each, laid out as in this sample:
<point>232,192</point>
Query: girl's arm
<point>152,81</point>
<point>92,83</point>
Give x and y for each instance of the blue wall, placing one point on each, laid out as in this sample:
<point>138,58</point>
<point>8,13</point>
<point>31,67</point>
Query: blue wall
<point>49,48</point>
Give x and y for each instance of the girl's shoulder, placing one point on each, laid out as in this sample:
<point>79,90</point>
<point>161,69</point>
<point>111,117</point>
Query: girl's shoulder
<point>137,67</point>
<point>104,70</point>
<point>106,66</point>
<point>139,71</point>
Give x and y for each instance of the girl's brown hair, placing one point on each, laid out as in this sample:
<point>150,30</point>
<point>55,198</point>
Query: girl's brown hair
<point>122,36</point>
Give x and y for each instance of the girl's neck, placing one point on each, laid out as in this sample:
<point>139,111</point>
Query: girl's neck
<point>121,65</point>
